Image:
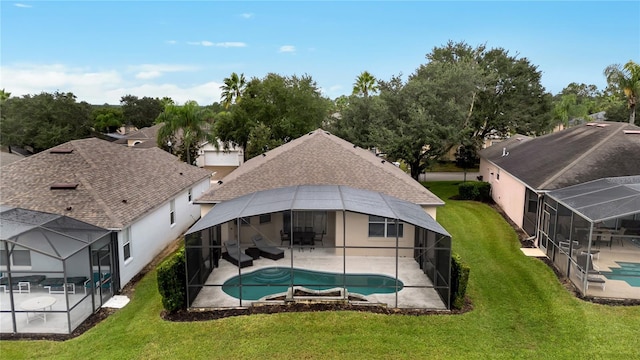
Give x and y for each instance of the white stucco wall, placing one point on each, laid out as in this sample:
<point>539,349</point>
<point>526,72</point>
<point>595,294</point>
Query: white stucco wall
<point>506,190</point>
<point>210,156</point>
<point>153,232</point>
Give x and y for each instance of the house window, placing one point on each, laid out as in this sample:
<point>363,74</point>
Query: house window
<point>172,212</point>
<point>126,243</point>
<point>384,227</point>
<point>265,218</point>
<point>18,258</point>
<point>245,221</point>
<point>190,195</point>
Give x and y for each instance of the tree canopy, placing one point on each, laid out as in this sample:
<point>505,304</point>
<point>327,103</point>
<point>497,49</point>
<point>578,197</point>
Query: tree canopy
<point>42,121</point>
<point>141,112</point>
<point>627,80</point>
<point>185,129</point>
<point>458,97</point>
<point>273,110</point>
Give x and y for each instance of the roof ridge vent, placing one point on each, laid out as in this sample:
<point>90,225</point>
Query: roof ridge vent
<point>64,186</point>
<point>630,132</point>
<point>597,124</point>
<point>61,151</point>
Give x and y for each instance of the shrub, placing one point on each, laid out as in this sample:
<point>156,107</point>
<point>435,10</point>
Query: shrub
<point>459,279</point>
<point>172,283</point>
<point>475,190</point>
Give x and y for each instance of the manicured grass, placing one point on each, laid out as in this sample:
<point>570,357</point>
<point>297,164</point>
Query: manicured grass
<point>520,311</point>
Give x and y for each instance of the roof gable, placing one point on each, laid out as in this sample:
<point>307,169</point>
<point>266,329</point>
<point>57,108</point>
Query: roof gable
<point>116,184</point>
<point>572,156</point>
<point>319,158</point>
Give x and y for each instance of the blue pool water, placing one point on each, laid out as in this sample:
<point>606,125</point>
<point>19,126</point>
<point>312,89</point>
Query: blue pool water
<point>628,271</point>
<point>273,280</point>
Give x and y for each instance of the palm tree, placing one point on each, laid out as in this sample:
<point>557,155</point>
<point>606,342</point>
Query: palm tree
<point>365,83</point>
<point>232,89</point>
<point>4,95</point>
<point>626,78</point>
<point>185,128</point>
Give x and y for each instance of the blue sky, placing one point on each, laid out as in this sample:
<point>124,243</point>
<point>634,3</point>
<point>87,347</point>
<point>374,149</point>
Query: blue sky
<point>101,51</point>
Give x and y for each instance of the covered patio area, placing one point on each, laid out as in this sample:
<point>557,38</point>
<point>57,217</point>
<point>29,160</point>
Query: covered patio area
<point>362,246</point>
<point>591,232</point>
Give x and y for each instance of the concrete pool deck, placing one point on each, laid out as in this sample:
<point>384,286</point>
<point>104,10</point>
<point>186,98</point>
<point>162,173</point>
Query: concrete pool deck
<point>324,259</point>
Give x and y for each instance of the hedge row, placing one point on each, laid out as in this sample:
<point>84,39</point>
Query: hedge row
<point>475,190</point>
<point>459,279</point>
<point>172,283</point>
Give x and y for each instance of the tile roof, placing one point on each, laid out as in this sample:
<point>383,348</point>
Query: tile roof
<point>572,156</point>
<point>319,158</point>
<point>116,184</point>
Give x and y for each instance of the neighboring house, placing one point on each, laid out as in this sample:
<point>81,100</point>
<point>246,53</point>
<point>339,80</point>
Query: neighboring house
<point>358,211</point>
<point>523,170</point>
<point>220,160</point>
<point>144,196</point>
<point>144,138</point>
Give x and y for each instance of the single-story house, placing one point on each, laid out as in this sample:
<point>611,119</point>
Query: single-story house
<point>523,171</point>
<point>324,209</point>
<point>219,160</point>
<point>143,196</point>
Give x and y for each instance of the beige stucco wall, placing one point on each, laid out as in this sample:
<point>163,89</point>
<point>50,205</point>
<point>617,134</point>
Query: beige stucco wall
<point>506,190</point>
<point>357,233</point>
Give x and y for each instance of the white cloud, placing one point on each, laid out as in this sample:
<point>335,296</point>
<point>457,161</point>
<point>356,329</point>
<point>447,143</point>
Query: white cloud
<point>287,49</point>
<point>152,71</point>
<point>202,43</point>
<point>247,15</point>
<point>226,44</point>
<point>148,74</point>
<point>22,5</point>
<point>105,86</point>
<point>171,42</point>
<point>231,44</point>
<point>204,94</point>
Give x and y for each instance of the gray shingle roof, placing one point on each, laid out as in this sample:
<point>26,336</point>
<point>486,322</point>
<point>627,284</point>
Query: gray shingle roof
<point>319,158</point>
<point>572,156</point>
<point>107,174</point>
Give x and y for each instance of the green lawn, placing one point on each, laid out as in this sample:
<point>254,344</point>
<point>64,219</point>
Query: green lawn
<point>520,311</point>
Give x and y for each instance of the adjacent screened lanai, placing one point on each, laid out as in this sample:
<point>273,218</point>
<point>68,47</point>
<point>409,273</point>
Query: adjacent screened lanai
<point>318,241</point>
<point>55,271</point>
<point>591,232</point>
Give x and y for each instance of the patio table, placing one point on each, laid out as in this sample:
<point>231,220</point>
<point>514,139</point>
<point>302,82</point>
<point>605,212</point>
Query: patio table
<point>38,305</point>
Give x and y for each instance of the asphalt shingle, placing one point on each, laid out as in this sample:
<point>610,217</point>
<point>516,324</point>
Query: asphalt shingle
<point>572,156</point>
<point>116,184</point>
<point>319,158</point>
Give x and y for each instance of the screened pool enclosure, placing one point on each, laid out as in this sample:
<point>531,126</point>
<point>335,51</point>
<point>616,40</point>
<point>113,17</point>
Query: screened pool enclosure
<point>591,232</point>
<point>318,242</point>
<point>55,271</point>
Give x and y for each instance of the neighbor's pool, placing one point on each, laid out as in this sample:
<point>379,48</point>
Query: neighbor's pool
<point>274,280</point>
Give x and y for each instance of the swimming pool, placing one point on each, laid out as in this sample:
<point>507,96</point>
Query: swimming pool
<point>274,280</point>
<point>628,271</point>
